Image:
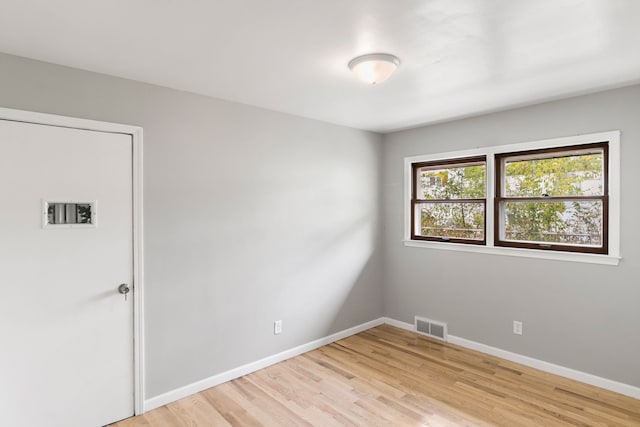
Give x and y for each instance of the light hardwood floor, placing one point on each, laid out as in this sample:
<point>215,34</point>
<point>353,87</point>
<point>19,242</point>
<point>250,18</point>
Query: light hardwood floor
<point>391,377</point>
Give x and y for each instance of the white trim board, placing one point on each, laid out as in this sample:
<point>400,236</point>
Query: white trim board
<point>611,385</point>
<point>138,272</point>
<point>198,386</point>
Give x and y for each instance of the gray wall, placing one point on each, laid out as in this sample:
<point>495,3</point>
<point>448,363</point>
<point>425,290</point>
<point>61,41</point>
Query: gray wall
<point>582,316</point>
<point>250,216</point>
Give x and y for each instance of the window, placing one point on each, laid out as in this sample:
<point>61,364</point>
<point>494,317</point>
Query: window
<point>553,199</point>
<point>449,200</point>
<point>435,181</point>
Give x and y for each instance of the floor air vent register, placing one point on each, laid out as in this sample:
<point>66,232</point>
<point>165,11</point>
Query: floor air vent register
<point>431,328</point>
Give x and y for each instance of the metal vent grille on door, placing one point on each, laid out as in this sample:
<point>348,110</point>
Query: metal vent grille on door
<point>431,328</point>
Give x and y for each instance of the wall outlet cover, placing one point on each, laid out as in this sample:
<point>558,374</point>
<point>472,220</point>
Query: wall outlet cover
<point>517,327</point>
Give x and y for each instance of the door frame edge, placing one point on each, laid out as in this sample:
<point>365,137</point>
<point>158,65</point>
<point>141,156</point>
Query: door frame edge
<point>136,133</point>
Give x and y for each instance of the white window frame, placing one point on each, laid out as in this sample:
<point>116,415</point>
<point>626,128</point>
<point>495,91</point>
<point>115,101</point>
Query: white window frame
<point>612,258</point>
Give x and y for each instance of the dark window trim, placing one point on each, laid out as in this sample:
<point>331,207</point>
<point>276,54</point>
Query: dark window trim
<point>415,201</point>
<point>498,200</point>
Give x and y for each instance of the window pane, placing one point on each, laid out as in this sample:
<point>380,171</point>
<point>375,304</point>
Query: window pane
<point>570,175</point>
<point>451,220</point>
<point>566,223</point>
<point>464,181</point>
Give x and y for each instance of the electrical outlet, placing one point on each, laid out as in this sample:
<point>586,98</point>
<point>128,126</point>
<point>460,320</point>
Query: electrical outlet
<point>517,327</point>
<point>277,327</point>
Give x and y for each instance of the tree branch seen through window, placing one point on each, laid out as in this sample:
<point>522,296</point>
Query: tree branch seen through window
<point>449,200</point>
<point>553,199</point>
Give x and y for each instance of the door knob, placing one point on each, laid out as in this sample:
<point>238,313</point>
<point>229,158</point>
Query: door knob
<point>124,290</point>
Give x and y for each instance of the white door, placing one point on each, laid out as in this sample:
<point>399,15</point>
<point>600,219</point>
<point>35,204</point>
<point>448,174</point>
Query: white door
<point>66,333</point>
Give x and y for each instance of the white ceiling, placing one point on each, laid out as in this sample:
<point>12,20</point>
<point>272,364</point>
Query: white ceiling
<point>459,57</point>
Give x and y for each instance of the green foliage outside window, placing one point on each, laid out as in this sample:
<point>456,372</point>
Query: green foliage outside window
<point>564,222</point>
<point>455,219</point>
<point>552,221</point>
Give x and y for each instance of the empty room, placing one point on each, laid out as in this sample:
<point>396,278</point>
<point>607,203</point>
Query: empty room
<point>319,213</point>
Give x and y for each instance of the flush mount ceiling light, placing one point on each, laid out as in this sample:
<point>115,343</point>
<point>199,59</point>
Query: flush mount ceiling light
<point>374,68</point>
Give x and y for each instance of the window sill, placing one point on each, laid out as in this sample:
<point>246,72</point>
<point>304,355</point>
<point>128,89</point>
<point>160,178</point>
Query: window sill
<point>524,253</point>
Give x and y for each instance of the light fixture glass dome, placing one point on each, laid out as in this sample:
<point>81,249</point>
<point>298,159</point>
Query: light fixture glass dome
<point>374,68</point>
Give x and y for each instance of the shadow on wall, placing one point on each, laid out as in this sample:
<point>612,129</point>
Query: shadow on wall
<point>339,284</point>
<point>363,302</point>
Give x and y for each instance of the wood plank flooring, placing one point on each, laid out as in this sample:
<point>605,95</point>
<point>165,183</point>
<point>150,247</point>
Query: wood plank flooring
<point>391,377</point>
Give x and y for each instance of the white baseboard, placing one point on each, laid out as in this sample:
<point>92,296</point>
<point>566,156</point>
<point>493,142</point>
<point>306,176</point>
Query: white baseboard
<point>399,324</point>
<point>618,387</point>
<point>198,386</point>
<point>213,381</point>
<point>552,368</point>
